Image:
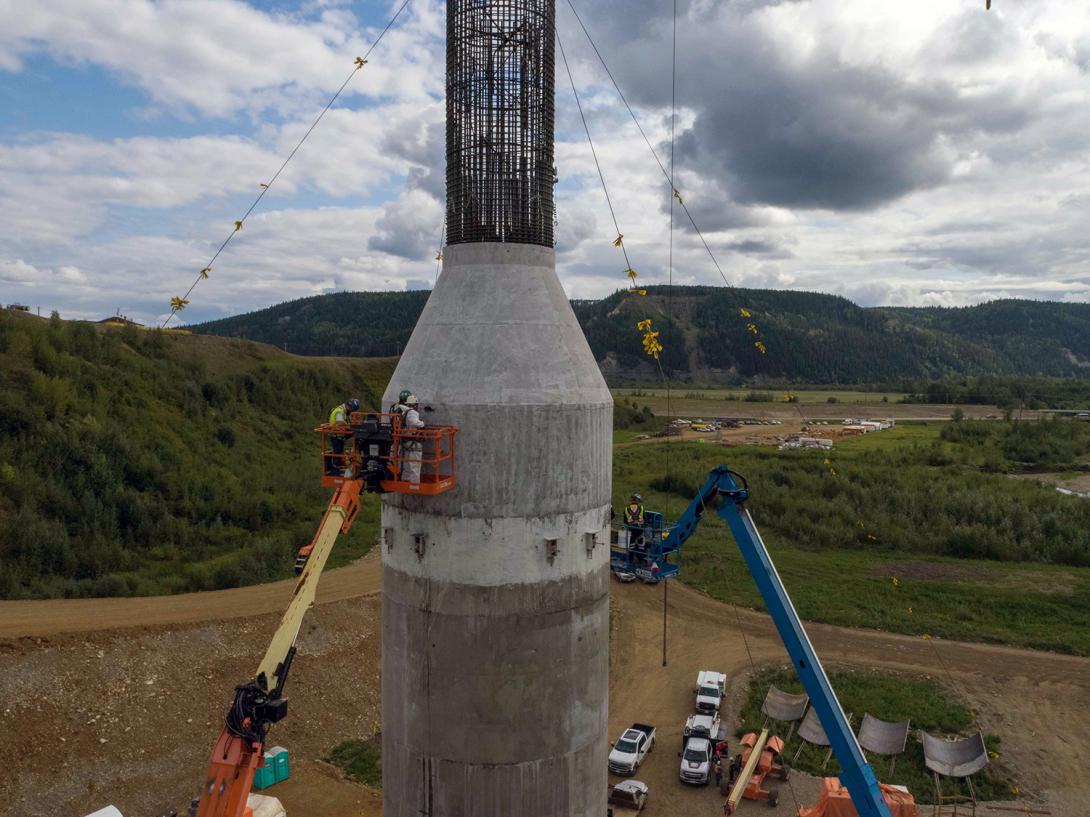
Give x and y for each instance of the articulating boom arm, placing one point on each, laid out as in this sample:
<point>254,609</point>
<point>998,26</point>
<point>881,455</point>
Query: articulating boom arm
<point>259,704</point>
<point>857,774</point>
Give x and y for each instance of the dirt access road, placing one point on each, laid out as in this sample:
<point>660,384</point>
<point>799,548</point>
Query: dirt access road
<point>124,708</point>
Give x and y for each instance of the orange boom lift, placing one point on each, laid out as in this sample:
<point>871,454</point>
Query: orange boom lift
<point>370,454</point>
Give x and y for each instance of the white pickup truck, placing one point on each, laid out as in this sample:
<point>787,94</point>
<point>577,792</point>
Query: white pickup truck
<point>696,761</point>
<point>631,748</point>
<point>701,726</point>
<point>710,687</point>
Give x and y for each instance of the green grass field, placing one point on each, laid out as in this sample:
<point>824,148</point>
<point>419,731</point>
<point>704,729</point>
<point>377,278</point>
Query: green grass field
<point>361,760</point>
<point>925,704</point>
<point>928,522</point>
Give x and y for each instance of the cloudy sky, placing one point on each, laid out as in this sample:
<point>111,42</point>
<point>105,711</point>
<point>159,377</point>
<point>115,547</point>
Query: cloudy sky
<point>893,151</point>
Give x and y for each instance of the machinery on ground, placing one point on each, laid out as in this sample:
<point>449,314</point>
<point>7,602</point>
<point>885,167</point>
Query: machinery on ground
<point>369,456</point>
<point>760,757</point>
<point>732,491</point>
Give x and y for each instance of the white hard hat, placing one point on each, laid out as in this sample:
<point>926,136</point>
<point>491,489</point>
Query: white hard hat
<point>411,400</point>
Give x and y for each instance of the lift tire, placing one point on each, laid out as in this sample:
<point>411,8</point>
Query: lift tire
<point>773,798</point>
<point>785,772</point>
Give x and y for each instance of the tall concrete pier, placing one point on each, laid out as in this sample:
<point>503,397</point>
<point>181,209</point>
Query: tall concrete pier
<point>495,595</point>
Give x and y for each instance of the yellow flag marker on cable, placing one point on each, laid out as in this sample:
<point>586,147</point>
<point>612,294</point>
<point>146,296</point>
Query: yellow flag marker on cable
<point>360,62</point>
<point>619,240</point>
<point>677,196</point>
<point>204,273</point>
<point>439,256</point>
<point>751,327</point>
<point>760,347</point>
<point>745,312</point>
<point>178,303</point>
<point>263,186</point>
<point>651,343</point>
<point>238,226</point>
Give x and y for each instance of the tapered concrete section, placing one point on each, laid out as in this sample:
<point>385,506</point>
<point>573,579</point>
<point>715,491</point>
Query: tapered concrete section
<point>495,595</point>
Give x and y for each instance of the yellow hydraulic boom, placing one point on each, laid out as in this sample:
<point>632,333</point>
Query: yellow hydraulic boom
<point>260,703</point>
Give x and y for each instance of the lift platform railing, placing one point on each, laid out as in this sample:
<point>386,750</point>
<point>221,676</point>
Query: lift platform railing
<point>377,449</point>
<point>650,550</point>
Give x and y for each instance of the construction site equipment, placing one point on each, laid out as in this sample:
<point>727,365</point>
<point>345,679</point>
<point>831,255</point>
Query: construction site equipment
<point>960,758</point>
<point>369,461</point>
<point>835,801</point>
<point>810,731</point>
<point>632,748</point>
<point>883,737</point>
<point>628,796</point>
<point>376,449</point>
<point>648,551</point>
<point>733,491</point>
<point>785,707</point>
<point>760,758</point>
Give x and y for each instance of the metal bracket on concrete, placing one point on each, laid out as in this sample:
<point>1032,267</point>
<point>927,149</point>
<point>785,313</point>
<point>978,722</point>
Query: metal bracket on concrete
<point>420,545</point>
<point>552,547</point>
<point>590,539</point>
<point>388,538</point>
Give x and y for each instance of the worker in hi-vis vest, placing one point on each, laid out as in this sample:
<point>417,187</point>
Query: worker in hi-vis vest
<point>334,461</point>
<point>633,520</point>
<point>412,451</point>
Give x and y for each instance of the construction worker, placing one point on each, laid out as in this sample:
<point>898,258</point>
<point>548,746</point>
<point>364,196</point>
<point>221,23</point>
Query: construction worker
<point>334,461</point>
<point>717,768</point>
<point>634,522</point>
<point>412,450</point>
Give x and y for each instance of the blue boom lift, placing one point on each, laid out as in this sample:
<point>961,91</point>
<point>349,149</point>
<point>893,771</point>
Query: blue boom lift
<point>857,775</point>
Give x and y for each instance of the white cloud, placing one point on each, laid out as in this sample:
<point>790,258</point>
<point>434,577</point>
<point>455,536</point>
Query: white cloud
<point>943,147</point>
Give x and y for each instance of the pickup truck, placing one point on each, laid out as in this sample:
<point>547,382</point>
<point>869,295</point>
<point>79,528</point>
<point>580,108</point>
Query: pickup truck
<point>627,797</point>
<point>709,690</point>
<point>631,748</point>
<point>696,761</point>
<point>701,726</point>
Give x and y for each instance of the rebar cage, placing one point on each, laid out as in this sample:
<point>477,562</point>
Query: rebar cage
<point>500,119</point>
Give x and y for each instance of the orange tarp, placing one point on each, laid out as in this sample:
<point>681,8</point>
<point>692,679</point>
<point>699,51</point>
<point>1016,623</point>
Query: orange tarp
<point>836,802</point>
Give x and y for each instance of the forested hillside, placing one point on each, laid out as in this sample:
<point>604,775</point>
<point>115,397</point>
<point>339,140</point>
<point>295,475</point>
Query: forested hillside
<point>810,338</point>
<point>150,462</point>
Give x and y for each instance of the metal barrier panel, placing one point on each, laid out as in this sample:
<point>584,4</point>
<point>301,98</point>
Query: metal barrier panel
<point>883,737</point>
<point>811,729</point>
<point>960,757</point>
<point>782,706</point>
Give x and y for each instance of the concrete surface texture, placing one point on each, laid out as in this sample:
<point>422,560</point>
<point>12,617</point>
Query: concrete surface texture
<point>495,613</point>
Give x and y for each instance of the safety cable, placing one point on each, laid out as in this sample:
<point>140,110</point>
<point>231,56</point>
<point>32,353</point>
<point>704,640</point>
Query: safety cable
<point>619,241</point>
<point>178,303</point>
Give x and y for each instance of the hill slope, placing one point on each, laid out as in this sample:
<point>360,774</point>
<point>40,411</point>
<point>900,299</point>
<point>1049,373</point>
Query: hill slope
<point>137,462</point>
<point>811,338</point>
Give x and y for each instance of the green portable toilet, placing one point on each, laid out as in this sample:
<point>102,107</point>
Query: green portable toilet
<point>278,756</point>
<point>265,776</point>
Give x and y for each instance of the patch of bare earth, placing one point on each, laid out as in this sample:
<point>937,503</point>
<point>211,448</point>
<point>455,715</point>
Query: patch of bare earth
<point>129,716</point>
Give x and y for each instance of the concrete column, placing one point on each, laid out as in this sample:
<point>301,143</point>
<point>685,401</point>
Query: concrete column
<point>495,595</point>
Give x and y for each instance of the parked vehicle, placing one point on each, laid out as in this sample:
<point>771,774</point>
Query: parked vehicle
<point>631,749</point>
<point>701,726</point>
<point>628,797</point>
<point>710,687</point>
<point>624,576</point>
<point>696,762</point>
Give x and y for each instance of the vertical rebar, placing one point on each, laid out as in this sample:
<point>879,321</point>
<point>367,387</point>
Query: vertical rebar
<point>500,119</point>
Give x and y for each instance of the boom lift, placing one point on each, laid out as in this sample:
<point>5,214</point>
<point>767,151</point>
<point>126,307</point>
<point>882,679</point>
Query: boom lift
<point>857,775</point>
<point>370,459</point>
